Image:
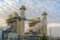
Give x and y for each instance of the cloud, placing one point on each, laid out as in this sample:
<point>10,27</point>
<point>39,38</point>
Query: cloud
<point>2,23</point>
<point>34,9</point>
<point>6,8</point>
<point>55,29</point>
<point>53,25</point>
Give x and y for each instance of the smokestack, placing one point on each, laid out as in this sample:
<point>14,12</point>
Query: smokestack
<point>44,22</point>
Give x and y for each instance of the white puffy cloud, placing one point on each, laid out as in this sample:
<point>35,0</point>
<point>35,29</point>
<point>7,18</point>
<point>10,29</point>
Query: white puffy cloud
<point>6,8</point>
<point>2,23</point>
<point>54,28</point>
<point>53,25</point>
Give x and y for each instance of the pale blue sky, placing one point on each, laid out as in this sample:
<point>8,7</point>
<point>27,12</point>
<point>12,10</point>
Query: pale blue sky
<point>35,8</point>
<point>52,7</point>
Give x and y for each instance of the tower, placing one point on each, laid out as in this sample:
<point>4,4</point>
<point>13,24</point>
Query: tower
<point>17,23</point>
<point>44,23</point>
<point>22,23</point>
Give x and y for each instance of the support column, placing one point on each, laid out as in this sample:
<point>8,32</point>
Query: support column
<point>22,23</point>
<point>44,23</point>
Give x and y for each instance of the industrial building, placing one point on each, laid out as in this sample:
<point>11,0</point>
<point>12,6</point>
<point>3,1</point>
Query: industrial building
<point>16,25</point>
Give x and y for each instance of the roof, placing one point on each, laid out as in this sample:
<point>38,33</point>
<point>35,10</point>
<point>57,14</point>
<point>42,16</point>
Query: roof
<point>23,7</point>
<point>44,13</point>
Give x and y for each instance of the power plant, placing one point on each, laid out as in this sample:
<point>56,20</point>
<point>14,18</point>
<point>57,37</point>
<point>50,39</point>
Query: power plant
<point>16,23</point>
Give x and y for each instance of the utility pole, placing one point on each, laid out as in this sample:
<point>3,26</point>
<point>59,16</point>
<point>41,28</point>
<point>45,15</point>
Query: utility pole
<point>50,33</point>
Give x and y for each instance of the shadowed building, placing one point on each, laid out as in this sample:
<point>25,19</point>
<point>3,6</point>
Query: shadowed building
<point>17,24</point>
<point>39,25</point>
<point>44,22</point>
<point>13,21</point>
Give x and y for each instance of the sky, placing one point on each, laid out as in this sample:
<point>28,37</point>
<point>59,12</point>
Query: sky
<point>34,8</point>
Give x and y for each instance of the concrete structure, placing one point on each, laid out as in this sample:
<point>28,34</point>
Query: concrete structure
<point>44,23</point>
<point>32,36</point>
<point>12,36</point>
<point>22,23</point>
<point>39,25</point>
<point>34,22</point>
<point>17,24</point>
<point>12,21</point>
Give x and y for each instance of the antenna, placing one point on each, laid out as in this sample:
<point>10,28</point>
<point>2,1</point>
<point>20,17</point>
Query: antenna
<point>50,32</point>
